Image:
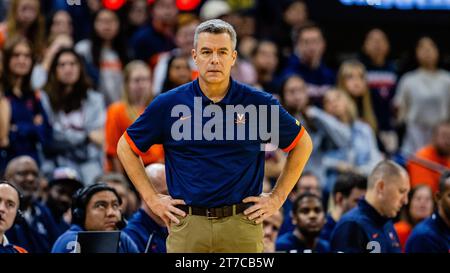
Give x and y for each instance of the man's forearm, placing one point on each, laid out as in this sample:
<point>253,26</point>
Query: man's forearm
<point>135,170</point>
<point>293,168</point>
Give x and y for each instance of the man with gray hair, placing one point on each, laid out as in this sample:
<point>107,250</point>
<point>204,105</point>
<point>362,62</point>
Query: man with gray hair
<point>369,226</point>
<point>214,131</point>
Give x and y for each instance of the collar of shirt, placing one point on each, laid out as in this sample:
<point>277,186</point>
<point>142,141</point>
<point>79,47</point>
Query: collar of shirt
<point>372,213</point>
<point>5,241</point>
<point>76,228</point>
<point>228,99</point>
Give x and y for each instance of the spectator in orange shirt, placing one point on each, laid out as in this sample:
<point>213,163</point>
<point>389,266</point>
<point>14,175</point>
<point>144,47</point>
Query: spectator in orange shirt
<point>137,94</point>
<point>419,207</point>
<point>432,160</point>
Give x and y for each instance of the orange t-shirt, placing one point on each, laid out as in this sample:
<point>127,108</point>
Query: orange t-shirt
<point>403,230</point>
<point>420,174</point>
<point>117,121</point>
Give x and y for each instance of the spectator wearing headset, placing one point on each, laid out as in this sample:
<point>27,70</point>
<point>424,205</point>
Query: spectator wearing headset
<point>9,214</point>
<point>94,208</point>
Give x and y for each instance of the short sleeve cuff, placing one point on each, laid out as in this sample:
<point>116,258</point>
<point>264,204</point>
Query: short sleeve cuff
<point>133,145</point>
<point>295,141</point>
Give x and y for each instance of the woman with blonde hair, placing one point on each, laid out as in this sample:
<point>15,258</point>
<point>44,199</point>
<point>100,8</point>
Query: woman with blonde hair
<point>352,80</point>
<point>360,154</point>
<point>136,96</point>
<point>25,19</point>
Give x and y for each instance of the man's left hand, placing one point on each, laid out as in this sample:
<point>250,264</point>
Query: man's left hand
<point>265,206</point>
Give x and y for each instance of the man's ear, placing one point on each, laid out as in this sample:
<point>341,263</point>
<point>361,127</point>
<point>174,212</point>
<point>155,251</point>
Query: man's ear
<point>194,55</point>
<point>338,198</point>
<point>379,186</point>
<point>234,56</point>
<point>437,197</point>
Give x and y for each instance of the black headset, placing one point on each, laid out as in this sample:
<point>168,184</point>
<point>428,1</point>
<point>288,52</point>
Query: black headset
<point>81,198</point>
<point>19,215</point>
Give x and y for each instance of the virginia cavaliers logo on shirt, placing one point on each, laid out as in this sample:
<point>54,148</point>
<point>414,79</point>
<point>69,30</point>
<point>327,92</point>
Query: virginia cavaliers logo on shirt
<point>240,119</point>
<point>394,240</point>
<point>391,236</point>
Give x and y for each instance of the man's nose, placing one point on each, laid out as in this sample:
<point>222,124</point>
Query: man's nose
<point>2,208</point>
<point>215,58</point>
<point>30,177</point>
<point>312,215</point>
<point>111,212</point>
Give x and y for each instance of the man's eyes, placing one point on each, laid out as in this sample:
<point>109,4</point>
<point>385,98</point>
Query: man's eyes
<point>223,52</point>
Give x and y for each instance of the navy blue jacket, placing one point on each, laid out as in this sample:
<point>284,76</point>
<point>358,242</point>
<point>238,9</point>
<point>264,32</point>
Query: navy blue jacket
<point>363,229</point>
<point>319,80</point>
<point>66,242</point>
<point>319,76</point>
<point>432,235</point>
<point>382,81</point>
<point>141,227</point>
<point>36,234</point>
<point>290,243</point>
<point>147,42</point>
<point>24,140</point>
<point>6,247</point>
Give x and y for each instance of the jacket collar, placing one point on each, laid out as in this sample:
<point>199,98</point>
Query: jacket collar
<point>373,214</point>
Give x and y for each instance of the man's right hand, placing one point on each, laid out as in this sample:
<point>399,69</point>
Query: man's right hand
<point>165,207</point>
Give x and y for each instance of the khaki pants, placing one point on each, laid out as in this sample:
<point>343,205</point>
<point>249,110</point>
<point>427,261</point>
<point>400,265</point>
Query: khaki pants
<point>234,234</point>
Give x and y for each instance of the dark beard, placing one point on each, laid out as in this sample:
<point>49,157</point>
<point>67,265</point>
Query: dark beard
<point>57,209</point>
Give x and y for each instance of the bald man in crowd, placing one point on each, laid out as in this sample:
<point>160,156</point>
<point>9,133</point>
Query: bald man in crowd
<point>145,228</point>
<point>39,230</point>
<point>369,226</point>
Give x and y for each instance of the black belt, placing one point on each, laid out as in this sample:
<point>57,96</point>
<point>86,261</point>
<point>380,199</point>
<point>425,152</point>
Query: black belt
<point>220,212</point>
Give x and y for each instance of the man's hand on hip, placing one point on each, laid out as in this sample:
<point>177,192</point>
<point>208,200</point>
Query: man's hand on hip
<point>265,206</point>
<point>165,207</point>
